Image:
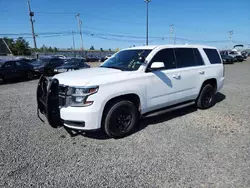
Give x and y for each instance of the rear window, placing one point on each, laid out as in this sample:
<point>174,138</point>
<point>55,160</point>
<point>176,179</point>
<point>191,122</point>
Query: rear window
<point>213,56</point>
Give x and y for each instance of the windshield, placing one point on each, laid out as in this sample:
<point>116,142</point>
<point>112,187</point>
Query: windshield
<point>127,60</point>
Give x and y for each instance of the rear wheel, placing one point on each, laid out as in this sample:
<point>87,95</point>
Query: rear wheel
<point>1,79</point>
<point>206,98</point>
<point>120,119</point>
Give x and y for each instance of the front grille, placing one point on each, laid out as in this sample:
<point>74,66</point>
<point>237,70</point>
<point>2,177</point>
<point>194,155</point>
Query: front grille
<point>62,90</point>
<point>63,98</point>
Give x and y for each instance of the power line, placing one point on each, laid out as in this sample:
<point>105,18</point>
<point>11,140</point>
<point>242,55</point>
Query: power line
<point>100,18</point>
<point>116,37</point>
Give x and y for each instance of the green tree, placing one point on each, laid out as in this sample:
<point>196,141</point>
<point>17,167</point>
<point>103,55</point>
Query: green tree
<point>110,49</point>
<point>92,48</point>
<point>55,49</point>
<point>19,46</point>
<point>101,49</point>
<point>50,49</point>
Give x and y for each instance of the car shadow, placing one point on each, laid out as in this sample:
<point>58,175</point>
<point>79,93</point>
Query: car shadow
<point>173,114</point>
<point>220,97</point>
<point>16,81</point>
<point>144,122</point>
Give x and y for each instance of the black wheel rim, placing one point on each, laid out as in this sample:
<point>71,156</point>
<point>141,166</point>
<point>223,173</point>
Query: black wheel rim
<point>207,98</point>
<point>121,120</point>
<point>30,75</point>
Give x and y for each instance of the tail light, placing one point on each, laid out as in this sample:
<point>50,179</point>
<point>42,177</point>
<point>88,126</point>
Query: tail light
<point>223,70</point>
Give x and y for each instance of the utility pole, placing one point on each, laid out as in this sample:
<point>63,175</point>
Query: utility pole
<point>230,36</point>
<point>73,40</point>
<point>171,32</point>
<point>31,14</point>
<point>80,27</point>
<point>147,1</point>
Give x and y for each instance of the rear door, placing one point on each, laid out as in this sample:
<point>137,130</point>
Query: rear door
<point>22,68</point>
<point>191,69</point>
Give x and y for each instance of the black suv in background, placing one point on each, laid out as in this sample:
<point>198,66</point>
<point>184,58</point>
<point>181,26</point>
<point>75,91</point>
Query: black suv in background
<point>15,69</point>
<point>71,64</point>
<point>46,65</point>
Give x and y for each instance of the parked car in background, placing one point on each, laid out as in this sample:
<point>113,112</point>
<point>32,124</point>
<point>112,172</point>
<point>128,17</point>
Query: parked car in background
<point>50,64</point>
<point>234,55</point>
<point>92,59</point>
<point>244,54</point>
<point>135,82</point>
<point>38,67</point>
<point>14,69</point>
<point>70,65</point>
<point>227,59</point>
<point>101,59</point>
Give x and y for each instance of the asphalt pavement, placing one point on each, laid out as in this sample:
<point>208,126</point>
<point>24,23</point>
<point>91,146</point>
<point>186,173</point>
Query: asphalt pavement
<point>185,148</point>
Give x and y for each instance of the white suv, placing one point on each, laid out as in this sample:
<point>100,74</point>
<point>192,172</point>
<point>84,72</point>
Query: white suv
<point>133,83</point>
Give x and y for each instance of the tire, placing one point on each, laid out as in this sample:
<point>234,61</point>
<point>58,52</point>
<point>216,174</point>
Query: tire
<point>1,79</point>
<point>30,75</point>
<point>120,119</point>
<point>206,98</point>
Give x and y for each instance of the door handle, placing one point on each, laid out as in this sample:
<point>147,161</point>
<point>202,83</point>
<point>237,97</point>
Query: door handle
<point>201,72</point>
<point>177,76</point>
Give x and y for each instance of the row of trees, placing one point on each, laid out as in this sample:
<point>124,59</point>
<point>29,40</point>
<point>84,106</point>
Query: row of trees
<point>21,47</point>
<point>101,49</point>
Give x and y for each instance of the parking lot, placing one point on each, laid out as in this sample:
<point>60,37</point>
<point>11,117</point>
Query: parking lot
<point>185,148</point>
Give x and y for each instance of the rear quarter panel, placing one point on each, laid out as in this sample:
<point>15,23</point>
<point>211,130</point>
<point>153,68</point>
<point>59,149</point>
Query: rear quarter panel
<point>212,70</point>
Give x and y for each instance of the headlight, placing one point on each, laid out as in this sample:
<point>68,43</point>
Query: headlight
<point>79,96</point>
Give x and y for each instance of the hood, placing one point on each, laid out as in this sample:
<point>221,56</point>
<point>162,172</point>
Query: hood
<point>91,76</point>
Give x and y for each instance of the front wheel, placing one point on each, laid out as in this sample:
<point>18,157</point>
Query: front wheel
<point>121,119</point>
<point>206,98</point>
<point>30,75</point>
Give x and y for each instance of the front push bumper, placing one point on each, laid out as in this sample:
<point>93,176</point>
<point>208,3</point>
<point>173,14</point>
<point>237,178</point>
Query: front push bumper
<point>48,104</point>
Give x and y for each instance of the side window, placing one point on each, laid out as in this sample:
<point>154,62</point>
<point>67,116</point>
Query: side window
<point>185,57</point>
<point>167,57</point>
<point>213,56</point>
<point>10,64</point>
<point>198,58</point>
<point>18,63</point>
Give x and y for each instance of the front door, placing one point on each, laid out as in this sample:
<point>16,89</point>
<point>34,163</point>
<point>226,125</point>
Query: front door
<point>10,70</point>
<point>163,86</point>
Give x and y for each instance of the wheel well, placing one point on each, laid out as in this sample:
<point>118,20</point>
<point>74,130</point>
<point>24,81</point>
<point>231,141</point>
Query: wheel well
<point>134,98</point>
<point>211,81</point>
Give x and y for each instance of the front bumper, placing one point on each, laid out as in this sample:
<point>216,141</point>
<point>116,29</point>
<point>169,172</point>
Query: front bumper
<point>77,118</point>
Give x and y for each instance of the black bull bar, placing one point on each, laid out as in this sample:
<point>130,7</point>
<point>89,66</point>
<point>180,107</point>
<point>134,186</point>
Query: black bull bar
<point>48,101</point>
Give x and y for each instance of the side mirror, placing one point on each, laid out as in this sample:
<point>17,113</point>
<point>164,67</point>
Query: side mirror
<point>157,65</point>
